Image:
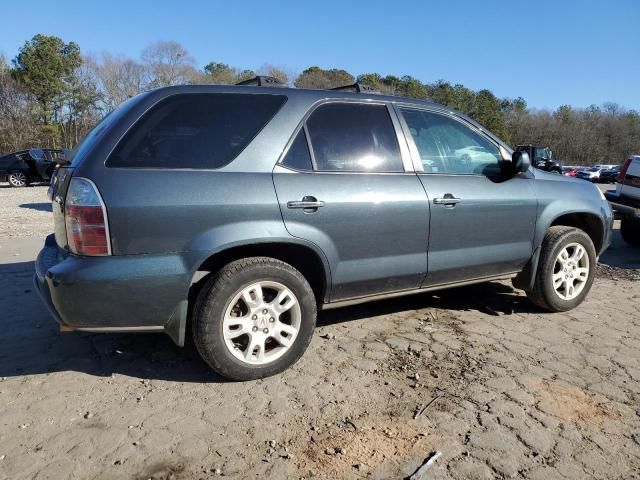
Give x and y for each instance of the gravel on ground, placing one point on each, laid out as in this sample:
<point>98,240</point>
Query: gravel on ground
<point>500,388</point>
<point>24,212</point>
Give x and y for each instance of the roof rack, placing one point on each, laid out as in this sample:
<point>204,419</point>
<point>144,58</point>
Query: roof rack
<point>357,87</point>
<point>262,81</point>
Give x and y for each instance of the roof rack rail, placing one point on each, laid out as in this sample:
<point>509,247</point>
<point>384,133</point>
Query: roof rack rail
<point>262,81</point>
<point>357,87</point>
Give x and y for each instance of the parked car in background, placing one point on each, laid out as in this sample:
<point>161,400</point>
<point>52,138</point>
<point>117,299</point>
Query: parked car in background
<point>27,166</point>
<point>609,175</point>
<point>625,200</point>
<point>592,174</point>
<point>541,158</point>
<point>244,209</point>
<point>569,171</point>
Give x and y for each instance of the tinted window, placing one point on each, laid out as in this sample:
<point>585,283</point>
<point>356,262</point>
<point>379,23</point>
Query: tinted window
<point>195,131</point>
<point>79,152</point>
<point>354,137</point>
<point>447,146</point>
<point>298,155</point>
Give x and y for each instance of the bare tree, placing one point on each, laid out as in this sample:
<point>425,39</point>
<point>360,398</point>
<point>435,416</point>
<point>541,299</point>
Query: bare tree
<point>119,78</point>
<point>167,63</point>
<point>18,117</point>
<point>275,72</point>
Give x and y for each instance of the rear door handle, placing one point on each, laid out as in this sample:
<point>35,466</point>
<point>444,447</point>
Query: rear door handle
<point>307,202</point>
<point>448,199</point>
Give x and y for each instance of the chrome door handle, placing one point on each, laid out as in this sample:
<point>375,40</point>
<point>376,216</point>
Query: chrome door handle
<point>305,204</point>
<point>448,199</point>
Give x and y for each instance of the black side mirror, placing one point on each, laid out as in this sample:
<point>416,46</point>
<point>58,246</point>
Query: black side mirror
<point>520,162</point>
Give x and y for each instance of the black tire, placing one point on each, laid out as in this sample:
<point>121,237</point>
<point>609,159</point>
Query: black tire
<point>18,179</point>
<point>214,299</point>
<point>543,293</point>
<point>630,231</point>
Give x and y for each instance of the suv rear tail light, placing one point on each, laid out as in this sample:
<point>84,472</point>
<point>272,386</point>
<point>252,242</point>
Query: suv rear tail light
<point>86,219</point>
<point>623,170</point>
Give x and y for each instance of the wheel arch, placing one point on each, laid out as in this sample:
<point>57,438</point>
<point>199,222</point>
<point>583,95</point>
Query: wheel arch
<point>307,259</point>
<point>586,221</point>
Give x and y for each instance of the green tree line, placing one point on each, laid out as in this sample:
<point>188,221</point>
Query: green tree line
<point>51,95</point>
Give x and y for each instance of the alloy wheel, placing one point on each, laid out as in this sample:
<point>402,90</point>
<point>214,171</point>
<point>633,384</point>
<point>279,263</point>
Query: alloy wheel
<point>570,271</point>
<point>261,322</point>
<point>17,179</point>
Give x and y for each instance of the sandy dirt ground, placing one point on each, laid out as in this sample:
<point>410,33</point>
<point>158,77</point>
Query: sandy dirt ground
<point>500,388</point>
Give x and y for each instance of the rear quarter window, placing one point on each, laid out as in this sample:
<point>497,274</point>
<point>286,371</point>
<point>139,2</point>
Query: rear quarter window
<point>202,131</point>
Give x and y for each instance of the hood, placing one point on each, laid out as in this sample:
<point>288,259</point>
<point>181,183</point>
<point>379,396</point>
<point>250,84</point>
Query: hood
<point>542,175</point>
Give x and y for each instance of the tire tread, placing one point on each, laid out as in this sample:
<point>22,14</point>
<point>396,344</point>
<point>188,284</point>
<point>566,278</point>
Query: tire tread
<point>204,305</point>
<point>552,237</point>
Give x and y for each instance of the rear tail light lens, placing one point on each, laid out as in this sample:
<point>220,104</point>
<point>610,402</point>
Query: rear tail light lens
<point>623,170</point>
<point>86,219</point>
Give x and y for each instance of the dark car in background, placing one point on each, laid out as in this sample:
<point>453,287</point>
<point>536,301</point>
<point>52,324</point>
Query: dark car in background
<point>541,158</point>
<point>591,174</point>
<point>242,210</point>
<point>609,175</point>
<point>22,168</point>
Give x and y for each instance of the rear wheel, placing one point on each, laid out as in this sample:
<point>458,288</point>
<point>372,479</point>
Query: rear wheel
<point>630,231</point>
<point>18,179</point>
<point>565,271</point>
<point>254,318</point>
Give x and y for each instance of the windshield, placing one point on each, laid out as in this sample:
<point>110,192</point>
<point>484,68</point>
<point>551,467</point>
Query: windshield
<point>543,153</point>
<point>594,169</point>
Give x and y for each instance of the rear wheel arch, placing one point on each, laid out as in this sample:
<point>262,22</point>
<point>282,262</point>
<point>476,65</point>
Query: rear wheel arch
<point>307,260</point>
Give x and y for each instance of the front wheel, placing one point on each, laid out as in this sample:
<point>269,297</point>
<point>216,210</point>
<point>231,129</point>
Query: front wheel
<point>254,318</point>
<point>630,231</point>
<point>18,179</point>
<point>566,269</point>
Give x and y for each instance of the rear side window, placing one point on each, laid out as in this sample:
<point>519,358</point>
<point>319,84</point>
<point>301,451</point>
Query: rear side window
<point>195,130</point>
<point>354,137</point>
<point>298,155</point>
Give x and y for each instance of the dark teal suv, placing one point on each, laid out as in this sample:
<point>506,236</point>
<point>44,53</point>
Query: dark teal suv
<point>244,209</point>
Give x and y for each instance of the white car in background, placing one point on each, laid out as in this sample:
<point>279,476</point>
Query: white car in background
<point>592,174</point>
<point>625,201</point>
<point>476,155</point>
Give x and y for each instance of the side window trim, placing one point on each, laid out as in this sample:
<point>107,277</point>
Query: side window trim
<point>396,120</point>
<point>403,142</point>
<point>314,165</point>
<point>413,148</point>
<point>302,127</point>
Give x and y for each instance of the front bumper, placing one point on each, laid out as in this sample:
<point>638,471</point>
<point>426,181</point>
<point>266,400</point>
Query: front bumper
<point>143,293</point>
<point>623,206</point>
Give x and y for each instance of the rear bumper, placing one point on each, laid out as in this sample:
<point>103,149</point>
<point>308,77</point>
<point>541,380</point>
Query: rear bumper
<point>143,293</point>
<point>623,206</point>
